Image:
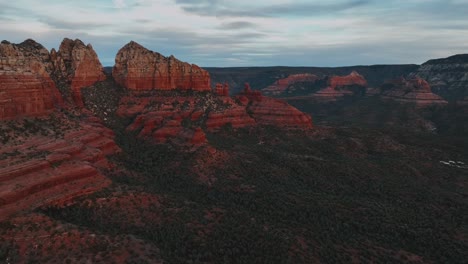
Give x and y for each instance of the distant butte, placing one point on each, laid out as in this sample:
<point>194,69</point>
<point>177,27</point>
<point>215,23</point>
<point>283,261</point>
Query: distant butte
<point>413,90</point>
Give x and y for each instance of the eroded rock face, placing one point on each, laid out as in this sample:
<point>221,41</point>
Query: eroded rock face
<point>76,65</point>
<point>447,77</point>
<point>270,111</point>
<point>222,89</point>
<point>340,86</point>
<point>138,68</point>
<point>181,119</point>
<point>38,170</point>
<point>414,90</point>
<point>280,86</point>
<point>341,82</point>
<point>26,88</point>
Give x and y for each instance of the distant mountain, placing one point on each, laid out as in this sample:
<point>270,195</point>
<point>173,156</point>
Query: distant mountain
<point>262,77</point>
<point>448,77</point>
<point>460,58</point>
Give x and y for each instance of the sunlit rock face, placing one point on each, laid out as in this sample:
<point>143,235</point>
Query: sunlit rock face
<point>76,66</point>
<point>138,68</point>
<point>26,87</point>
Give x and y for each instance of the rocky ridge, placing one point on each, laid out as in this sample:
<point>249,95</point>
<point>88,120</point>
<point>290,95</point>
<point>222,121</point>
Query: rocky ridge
<point>447,77</point>
<point>44,168</point>
<point>340,86</point>
<point>137,68</point>
<point>281,85</point>
<point>413,90</point>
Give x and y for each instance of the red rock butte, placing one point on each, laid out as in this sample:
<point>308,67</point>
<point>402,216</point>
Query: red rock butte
<point>26,87</point>
<point>354,78</point>
<point>414,90</point>
<point>77,66</point>
<point>340,86</point>
<point>282,84</point>
<point>138,68</point>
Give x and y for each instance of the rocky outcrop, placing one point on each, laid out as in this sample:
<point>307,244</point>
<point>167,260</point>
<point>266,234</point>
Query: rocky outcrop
<point>281,85</point>
<point>235,116</point>
<point>340,86</point>
<point>42,169</point>
<point>343,82</point>
<point>26,87</point>
<point>269,111</point>
<point>76,66</point>
<point>222,89</point>
<point>183,120</point>
<point>447,77</point>
<point>138,68</point>
<point>180,119</point>
<point>414,90</point>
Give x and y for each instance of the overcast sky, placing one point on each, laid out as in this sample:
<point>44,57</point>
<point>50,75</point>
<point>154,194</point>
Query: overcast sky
<point>250,32</point>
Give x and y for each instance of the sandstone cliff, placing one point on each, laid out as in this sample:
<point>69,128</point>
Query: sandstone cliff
<point>26,87</point>
<point>138,68</point>
<point>76,66</point>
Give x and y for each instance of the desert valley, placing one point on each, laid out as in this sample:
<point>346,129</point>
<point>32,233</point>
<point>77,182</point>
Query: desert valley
<point>155,160</point>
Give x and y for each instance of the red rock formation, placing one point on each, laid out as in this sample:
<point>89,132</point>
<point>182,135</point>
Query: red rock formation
<point>275,112</point>
<point>222,89</point>
<point>282,84</point>
<point>251,94</point>
<point>340,86</point>
<point>138,68</point>
<point>25,84</point>
<point>414,90</point>
<point>269,111</point>
<point>236,116</point>
<point>354,78</point>
<point>78,66</point>
<point>47,170</point>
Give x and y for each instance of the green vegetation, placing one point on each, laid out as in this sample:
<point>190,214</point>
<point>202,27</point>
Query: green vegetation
<point>286,197</point>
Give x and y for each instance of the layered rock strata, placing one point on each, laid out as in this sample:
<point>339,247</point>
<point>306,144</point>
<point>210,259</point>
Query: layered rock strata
<point>414,90</point>
<point>26,87</point>
<point>137,68</point>
<point>44,169</point>
<point>76,66</point>
<point>447,77</point>
<point>281,85</point>
<point>340,86</point>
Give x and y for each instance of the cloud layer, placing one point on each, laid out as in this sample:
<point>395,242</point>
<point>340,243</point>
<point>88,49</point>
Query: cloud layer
<point>250,33</point>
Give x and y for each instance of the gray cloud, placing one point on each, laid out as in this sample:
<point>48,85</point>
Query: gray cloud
<point>334,33</point>
<point>238,25</point>
<point>64,24</point>
<point>219,9</point>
